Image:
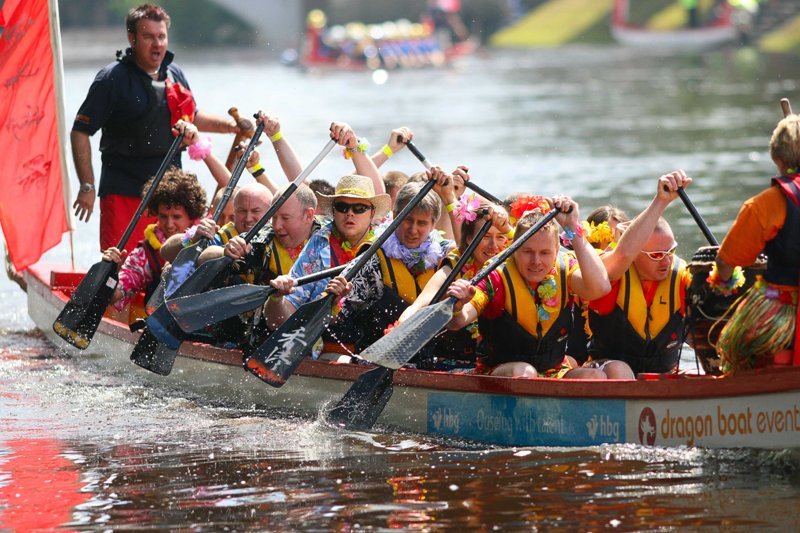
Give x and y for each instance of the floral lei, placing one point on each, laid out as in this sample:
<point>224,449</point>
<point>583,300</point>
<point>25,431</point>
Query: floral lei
<point>528,203</point>
<point>468,206</point>
<point>345,245</point>
<point>546,296</point>
<point>425,257</point>
<point>599,234</point>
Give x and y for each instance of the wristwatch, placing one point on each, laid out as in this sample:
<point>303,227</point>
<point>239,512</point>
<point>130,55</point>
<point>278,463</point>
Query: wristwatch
<point>86,187</point>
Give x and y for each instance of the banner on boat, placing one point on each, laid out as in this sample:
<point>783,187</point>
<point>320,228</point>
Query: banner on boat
<point>32,211</point>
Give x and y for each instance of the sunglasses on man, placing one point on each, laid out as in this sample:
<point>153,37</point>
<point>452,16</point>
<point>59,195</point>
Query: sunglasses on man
<point>357,209</point>
<point>660,254</point>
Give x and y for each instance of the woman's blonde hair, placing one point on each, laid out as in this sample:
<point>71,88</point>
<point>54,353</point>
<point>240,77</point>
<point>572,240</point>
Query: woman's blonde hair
<point>784,146</point>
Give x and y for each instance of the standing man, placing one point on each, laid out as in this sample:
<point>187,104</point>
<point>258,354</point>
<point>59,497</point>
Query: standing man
<point>135,101</point>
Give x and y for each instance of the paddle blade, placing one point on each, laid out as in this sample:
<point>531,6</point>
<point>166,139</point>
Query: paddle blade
<point>276,359</point>
<point>157,298</point>
<point>164,328</point>
<point>150,354</point>
<point>403,342</point>
<point>200,310</point>
<point>202,277</point>
<point>183,266</point>
<point>78,321</point>
<point>364,402</point>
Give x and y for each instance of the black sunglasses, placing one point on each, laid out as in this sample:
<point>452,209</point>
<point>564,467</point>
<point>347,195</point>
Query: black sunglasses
<point>358,209</point>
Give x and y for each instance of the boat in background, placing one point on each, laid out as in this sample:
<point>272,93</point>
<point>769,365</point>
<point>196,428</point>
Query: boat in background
<point>758,409</point>
<point>720,31</point>
<point>392,45</point>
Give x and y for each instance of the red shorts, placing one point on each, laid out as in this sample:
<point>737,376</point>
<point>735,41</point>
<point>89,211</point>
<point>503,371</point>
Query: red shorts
<point>116,212</point>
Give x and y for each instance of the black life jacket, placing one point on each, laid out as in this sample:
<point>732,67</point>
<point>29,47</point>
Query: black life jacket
<point>615,337</point>
<point>505,340</point>
<point>783,252</point>
<point>150,135</point>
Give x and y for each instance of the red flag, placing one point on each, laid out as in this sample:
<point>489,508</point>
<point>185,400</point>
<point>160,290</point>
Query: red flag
<point>32,211</point>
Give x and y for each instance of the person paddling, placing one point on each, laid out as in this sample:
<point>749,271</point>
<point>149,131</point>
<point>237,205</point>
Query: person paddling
<point>641,320</point>
<point>523,306</point>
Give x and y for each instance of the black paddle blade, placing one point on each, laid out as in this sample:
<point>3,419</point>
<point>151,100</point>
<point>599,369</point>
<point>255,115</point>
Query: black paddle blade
<point>164,328</point>
<point>364,402</point>
<point>157,298</point>
<point>200,310</point>
<point>403,342</point>
<point>275,360</point>
<point>182,268</point>
<point>150,354</point>
<point>78,321</point>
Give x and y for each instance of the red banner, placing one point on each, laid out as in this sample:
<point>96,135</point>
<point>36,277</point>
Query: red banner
<point>32,210</point>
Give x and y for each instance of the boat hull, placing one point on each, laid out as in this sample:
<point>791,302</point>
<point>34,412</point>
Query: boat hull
<point>760,409</point>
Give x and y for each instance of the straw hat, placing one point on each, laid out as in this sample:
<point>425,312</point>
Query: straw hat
<point>356,187</point>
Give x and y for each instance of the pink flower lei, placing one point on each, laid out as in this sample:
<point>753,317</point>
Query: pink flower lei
<point>201,149</point>
<point>468,206</point>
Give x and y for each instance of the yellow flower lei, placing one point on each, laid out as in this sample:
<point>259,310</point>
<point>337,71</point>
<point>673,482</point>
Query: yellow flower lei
<point>599,234</point>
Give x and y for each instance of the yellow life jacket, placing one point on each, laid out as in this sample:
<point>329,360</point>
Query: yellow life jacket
<point>280,262</point>
<point>648,322</point>
<point>397,277</point>
<point>519,302</point>
<point>227,232</point>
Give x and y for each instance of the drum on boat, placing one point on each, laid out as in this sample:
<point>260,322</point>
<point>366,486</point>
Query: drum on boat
<point>706,311</point>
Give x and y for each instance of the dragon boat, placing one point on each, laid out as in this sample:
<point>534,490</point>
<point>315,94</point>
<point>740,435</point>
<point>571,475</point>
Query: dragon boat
<point>758,408</point>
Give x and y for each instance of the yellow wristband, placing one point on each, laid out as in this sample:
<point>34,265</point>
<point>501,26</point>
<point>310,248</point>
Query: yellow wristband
<point>387,150</point>
<point>277,137</point>
<point>255,168</point>
<point>451,206</point>
<point>510,234</point>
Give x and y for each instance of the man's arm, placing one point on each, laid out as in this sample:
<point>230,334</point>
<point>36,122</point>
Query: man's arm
<point>82,156</point>
<point>212,123</point>
<point>633,239</point>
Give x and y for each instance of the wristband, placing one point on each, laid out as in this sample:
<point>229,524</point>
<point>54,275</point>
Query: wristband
<point>510,234</point>
<point>362,147</point>
<point>277,137</point>
<point>387,150</point>
<point>452,206</point>
<point>725,288</point>
<point>256,170</point>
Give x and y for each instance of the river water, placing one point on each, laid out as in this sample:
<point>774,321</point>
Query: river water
<point>85,450</point>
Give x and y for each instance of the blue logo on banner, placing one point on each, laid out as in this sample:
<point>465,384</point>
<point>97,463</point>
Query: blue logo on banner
<point>520,421</point>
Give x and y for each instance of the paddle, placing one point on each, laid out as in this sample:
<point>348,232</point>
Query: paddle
<point>482,192</point>
<point>184,263</point>
<point>403,342</point>
<point>365,400</point>
<point>78,321</point>
<point>275,360</point>
<point>786,107</point>
<point>697,218</point>
<point>199,310</point>
<point>244,133</point>
<point>162,327</point>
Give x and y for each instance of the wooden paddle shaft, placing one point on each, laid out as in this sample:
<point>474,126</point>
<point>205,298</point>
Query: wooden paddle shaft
<point>237,172</point>
<point>243,134</point>
<point>786,107</point>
